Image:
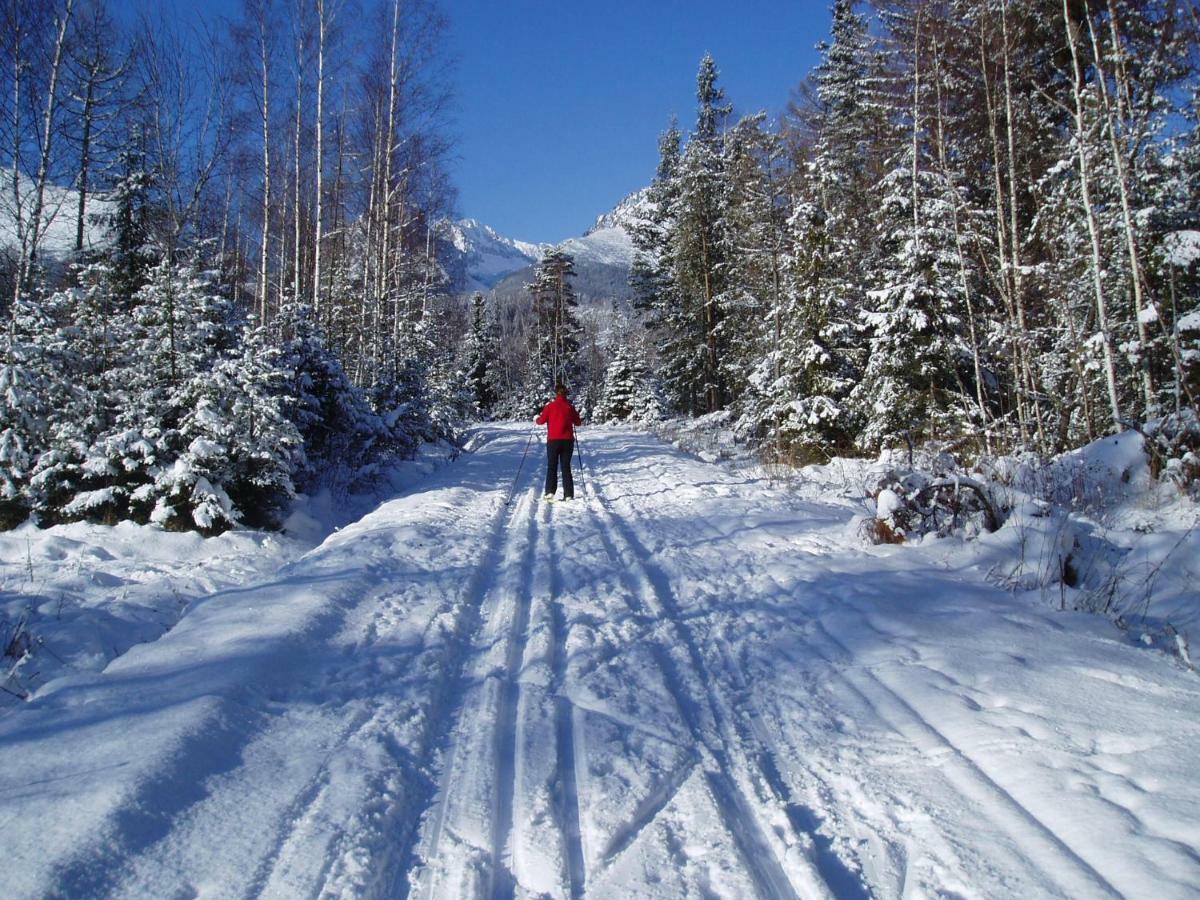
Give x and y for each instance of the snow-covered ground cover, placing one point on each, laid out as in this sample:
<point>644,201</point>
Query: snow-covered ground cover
<point>75,597</point>
<point>694,680</point>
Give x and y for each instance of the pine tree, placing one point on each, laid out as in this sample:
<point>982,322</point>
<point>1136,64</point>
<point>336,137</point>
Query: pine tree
<point>344,440</point>
<point>754,244</point>
<point>30,391</point>
<point>132,256</point>
<point>629,392</point>
<point>910,319</point>
<point>657,295</point>
<point>697,245</point>
<point>239,446</point>
<point>556,332</point>
<point>481,358</point>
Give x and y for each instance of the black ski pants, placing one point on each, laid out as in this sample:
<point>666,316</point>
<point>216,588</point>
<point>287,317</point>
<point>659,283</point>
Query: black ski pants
<point>558,453</point>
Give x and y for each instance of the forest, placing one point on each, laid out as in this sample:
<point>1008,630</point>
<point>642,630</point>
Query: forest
<point>264,311</point>
<point>977,225</point>
<point>977,228</point>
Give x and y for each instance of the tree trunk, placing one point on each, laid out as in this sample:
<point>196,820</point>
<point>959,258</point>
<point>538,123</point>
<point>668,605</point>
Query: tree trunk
<point>29,258</point>
<point>85,157</point>
<point>1110,371</point>
<point>963,277</point>
<point>1003,282</point>
<point>265,243</point>
<point>1028,379</point>
<point>322,30</point>
<point>1141,301</point>
<point>297,240</point>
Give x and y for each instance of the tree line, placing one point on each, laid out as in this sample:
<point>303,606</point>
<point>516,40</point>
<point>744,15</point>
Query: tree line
<point>219,280</point>
<point>979,222</point>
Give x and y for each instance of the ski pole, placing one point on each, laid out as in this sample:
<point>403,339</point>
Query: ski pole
<point>579,452</point>
<point>512,490</point>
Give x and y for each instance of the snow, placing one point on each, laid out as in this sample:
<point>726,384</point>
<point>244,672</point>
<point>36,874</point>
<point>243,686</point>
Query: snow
<point>490,256</point>
<point>607,246</point>
<point>887,503</point>
<point>693,680</point>
<point>60,208</point>
<point>1182,248</point>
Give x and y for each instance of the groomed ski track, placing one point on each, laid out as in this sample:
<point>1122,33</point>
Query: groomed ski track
<point>687,682</point>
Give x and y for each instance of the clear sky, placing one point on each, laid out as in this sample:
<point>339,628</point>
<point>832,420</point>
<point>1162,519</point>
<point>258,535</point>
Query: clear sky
<point>561,104</point>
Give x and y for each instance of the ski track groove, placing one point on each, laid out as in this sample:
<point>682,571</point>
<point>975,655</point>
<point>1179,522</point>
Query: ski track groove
<point>841,879</point>
<point>831,867</point>
<point>564,728</point>
<point>298,811</point>
<point>742,819</point>
<point>449,702</point>
<point>1075,876</point>
<point>502,878</point>
<point>368,722</point>
<point>647,811</point>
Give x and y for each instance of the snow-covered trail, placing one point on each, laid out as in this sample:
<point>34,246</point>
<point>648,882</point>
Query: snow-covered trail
<point>688,682</point>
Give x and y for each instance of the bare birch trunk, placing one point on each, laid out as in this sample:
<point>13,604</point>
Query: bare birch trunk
<point>29,256</point>
<point>1110,372</point>
<point>297,243</point>
<point>964,280</point>
<point>1018,275</point>
<point>322,31</point>
<point>1141,300</point>
<point>18,217</point>
<point>85,158</point>
<point>265,243</point>
<point>1003,282</point>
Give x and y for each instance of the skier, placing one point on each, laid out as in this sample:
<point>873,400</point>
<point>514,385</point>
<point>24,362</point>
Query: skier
<point>560,419</point>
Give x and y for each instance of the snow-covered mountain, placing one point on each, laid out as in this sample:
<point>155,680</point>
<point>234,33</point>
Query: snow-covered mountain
<point>480,256</point>
<point>480,259</point>
<point>609,241</point>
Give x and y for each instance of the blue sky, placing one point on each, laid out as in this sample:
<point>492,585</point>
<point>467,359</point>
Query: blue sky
<point>561,104</point>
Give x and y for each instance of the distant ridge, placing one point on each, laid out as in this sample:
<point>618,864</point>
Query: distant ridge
<point>480,259</point>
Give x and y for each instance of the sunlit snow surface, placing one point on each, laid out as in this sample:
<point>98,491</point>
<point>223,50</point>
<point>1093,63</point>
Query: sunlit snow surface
<point>688,682</point>
<point>60,211</point>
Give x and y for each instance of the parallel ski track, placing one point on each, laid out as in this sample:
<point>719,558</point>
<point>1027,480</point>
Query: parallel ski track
<point>300,810</point>
<point>845,883</point>
<point>502,880</point>
<point>838,877</point>
<point>564,728</point>
<point>450,692</point>
<point>646,586</point>
<point>1074,875</point>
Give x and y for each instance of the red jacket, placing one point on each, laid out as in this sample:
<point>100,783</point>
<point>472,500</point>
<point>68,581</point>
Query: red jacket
<point>561,416</point>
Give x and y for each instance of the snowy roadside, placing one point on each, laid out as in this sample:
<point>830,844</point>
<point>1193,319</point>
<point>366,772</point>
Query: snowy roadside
<point>1090,530</point>
<point>193,757</point>
<point>75,597</point>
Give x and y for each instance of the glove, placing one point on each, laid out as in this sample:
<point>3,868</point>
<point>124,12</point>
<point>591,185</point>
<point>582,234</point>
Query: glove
<point>535,421</point>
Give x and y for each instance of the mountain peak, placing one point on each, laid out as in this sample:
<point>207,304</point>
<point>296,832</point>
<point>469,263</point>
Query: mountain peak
<point>482,257</point>
<point>625,214</point>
